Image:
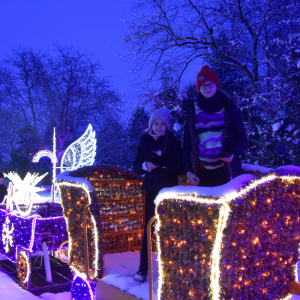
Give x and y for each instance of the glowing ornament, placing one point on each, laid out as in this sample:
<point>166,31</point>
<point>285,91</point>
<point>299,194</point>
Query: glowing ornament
<point>81,153</point>
<point>7,234</point>
<point>23,267</point>
<point>44,153</point>
<point>23,192</point>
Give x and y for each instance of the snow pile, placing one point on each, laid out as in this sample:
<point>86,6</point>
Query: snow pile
<point>59,296</point>
<point>119,269</point>
<point>10,290</point>
<point>65,176</point>
<point>276,126</point>
<point>291,168</point>
<point>217,192</point>
<point>255,168</point>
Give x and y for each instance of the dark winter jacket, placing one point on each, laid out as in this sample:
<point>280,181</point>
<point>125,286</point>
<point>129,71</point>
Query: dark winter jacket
<point>3,192</point>
<point>233,138</point>
<point>160,177</point>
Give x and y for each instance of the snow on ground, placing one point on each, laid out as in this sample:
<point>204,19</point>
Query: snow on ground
<point>118,270</point>
<point>46,195</point>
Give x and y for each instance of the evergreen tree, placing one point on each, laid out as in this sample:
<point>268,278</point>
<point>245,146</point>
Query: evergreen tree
<point>136,127</point>
<point>112,143</point>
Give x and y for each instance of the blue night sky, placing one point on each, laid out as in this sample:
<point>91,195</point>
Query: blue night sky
<point>94,26</point>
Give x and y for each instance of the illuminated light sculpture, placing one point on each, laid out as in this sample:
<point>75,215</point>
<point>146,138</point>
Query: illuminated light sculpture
<point>114,219</point>
<point>81,153</point>
<point>7,234</point>
<point>23,231</point>
<point>44,153</point>
<point>23,192</point>
<point>20,235</point>
<point>224,242</point>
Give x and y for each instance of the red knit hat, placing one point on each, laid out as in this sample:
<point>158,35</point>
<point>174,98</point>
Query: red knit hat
<point>206,74</point>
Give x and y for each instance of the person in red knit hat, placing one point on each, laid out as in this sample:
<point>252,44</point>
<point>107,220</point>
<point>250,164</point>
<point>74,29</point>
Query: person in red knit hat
<point>214,134</point>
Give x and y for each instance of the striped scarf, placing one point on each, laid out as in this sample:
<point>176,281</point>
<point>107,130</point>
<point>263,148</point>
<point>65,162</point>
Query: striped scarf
<point>209,128</point>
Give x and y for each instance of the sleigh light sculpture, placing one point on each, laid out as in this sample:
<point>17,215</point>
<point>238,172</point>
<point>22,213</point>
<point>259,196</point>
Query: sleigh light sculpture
<point>27,228</point>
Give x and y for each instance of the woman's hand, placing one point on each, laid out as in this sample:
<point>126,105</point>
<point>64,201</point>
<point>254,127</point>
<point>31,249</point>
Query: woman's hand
<point>194,180</point>
<point>227,159</point>
<point>150,165</point>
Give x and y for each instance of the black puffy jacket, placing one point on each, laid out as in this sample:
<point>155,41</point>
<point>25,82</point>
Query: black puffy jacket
<point>234,138</point>
<point>160,177</point>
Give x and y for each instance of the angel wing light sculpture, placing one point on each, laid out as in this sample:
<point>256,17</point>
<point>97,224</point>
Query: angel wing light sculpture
<point>80,153</point>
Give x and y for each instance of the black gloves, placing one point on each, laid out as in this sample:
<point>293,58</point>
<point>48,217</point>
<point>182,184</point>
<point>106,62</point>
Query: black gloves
<point>227,154</point>
<point>158,158</point>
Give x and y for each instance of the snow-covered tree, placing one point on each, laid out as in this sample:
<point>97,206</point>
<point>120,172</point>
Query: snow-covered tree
<point>253,45</point>
<point>39,91</point>
<point>136,127</point>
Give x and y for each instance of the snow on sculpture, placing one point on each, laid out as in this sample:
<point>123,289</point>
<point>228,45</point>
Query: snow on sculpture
<point>23,192</point>
<point>81,153</point>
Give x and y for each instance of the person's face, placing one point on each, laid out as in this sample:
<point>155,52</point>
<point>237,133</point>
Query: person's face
<point>208,89</point>
<point>1,180</point>
<point>159,126</point>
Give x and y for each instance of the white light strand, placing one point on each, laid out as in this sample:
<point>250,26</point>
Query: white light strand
<point>7,234</point>
<point>215,270</point>
<point>32,235</point>
<point>96,247</point>
<point>53,189</point>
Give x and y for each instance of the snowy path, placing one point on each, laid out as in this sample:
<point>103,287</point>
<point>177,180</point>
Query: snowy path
<point>119,267</point>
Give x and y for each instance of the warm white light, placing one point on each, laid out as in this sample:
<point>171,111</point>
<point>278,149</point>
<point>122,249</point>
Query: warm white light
<point>23,253</point>
<point>7,234</point>
<point>87,191</point>
<point>216,253</point>
<point>24,192</point>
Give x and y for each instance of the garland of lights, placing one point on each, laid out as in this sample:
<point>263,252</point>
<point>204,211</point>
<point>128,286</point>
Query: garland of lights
<point>207,246</point>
